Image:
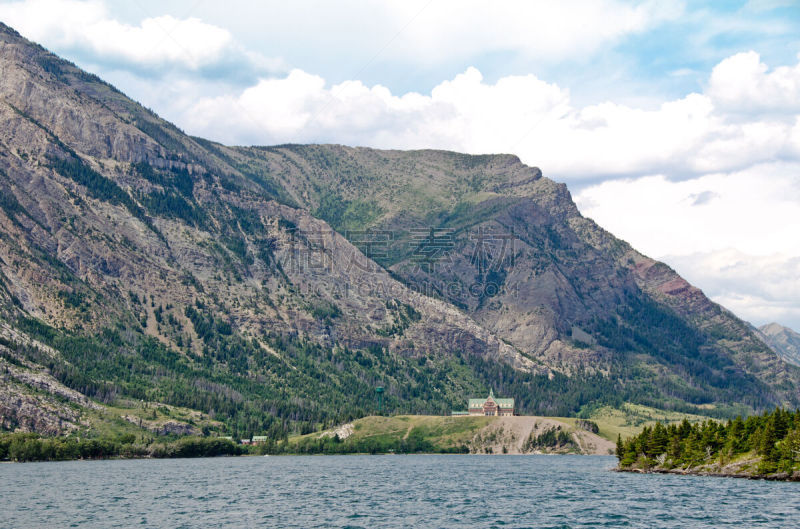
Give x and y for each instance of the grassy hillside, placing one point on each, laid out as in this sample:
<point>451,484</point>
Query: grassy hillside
<point>629,419</point>
<point>444,434</point>
<point>441,431</point>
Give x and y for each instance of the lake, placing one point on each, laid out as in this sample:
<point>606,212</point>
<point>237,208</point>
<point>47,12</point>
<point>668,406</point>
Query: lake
<point>381,491</point>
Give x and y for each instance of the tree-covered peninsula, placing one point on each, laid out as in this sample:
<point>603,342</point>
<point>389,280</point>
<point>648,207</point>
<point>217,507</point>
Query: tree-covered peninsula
<point>760,446</point>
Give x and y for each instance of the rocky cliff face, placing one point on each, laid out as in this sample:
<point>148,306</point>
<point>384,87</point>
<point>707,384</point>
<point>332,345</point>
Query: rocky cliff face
<point>274,286</point>
<point>783,340</point>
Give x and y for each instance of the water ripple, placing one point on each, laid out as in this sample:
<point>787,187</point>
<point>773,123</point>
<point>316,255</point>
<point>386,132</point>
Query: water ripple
<point>382,491</point>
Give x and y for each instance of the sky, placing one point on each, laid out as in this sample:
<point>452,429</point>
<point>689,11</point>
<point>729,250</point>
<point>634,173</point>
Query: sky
<point>676,125</point>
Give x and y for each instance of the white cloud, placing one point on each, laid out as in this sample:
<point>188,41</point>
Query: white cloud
<point>733,234</point>
<point>156,43</point>
<point>694,135</point>
<point>759,288</point>
<point>550,31</point>
<point>463,113</point>
<point>743,84</point>
<point>423,32</point>
<point>754,210</point>
<point>415,31</point>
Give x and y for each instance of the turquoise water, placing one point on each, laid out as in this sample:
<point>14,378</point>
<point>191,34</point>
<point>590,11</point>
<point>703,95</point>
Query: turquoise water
<point>381,491</point>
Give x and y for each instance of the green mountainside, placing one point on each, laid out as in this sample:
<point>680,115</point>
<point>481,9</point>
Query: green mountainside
<point>158,282</point>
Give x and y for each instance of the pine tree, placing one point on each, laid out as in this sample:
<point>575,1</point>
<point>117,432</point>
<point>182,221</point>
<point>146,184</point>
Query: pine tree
<point>768,438</point>
<point>790,447</point>
<point>657,443</point>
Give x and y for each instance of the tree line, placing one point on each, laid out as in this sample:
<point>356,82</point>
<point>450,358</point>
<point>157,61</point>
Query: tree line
<point>22,447</point>
<point>773,438</point>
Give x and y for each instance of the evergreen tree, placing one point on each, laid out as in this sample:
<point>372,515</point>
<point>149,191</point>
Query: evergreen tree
<point>774,436</point>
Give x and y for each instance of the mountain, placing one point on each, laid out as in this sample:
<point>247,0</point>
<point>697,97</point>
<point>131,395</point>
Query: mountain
<point>154,279</point>
<point>783,340</point>
<point>520,259</point>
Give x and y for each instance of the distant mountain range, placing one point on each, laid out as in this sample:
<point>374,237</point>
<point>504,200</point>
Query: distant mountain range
<point>783,340</point>
<point>271,289</point>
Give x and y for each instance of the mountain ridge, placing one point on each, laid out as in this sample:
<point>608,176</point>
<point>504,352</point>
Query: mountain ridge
<point>783,340</point>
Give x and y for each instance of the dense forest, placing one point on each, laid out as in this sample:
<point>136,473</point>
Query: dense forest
<point>332,386</point>
<point>22,447</point>
<point>259,394</point>
<point>758,445</point>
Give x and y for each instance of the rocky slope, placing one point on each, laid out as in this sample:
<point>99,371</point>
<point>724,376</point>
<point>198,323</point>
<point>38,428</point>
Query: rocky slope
<point>276,287</point>
<point>509,247</point>
<point>160,270</point>
<point>783,340</point>
<point>745,468</point>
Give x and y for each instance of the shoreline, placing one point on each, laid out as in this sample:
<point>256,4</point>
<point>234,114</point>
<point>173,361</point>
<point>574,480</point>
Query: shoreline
<point>780,476</point>
<point>299,454</point>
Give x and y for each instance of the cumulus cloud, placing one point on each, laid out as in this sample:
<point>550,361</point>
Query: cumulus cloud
<point>157,44</point>
<point>739,242</point>
<point>744,84</point>
<point>697,134</point>
<point>755,210</point>
<point>463,113</point>
<point>759,288</point>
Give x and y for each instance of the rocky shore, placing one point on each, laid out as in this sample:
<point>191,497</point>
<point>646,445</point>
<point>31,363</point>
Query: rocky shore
<point>718,473</point>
